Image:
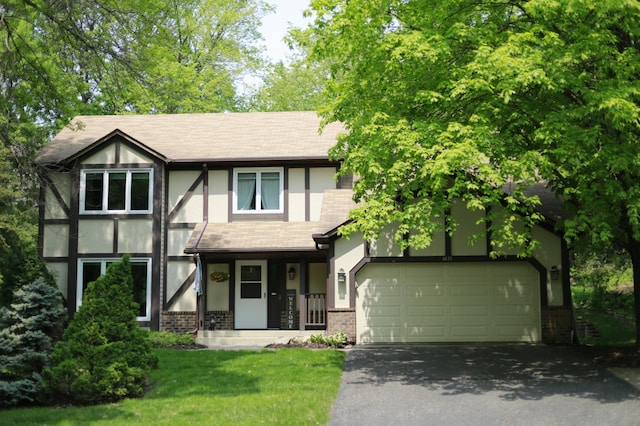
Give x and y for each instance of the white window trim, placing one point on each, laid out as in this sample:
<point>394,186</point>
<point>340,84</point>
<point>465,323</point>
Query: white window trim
<point>105,191</point>
<point>103,270</point>
<point>258,171</point>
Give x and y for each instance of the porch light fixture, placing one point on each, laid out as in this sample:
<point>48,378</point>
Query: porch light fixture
<point>342,276</point>
<point>555,272</point>
<point>292,273</point>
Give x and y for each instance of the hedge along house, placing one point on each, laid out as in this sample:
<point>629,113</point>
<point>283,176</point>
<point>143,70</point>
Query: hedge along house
<point>247,205</point>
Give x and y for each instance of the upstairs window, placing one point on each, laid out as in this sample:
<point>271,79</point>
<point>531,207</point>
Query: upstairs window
<point>116,191</point>
<point>258,191</point>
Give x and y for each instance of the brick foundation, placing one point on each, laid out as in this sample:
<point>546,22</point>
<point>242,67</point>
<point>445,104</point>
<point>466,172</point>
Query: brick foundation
<point>342,320</point>
<point>557,324</point>
<point>178,322</point>
<point>224,320</point>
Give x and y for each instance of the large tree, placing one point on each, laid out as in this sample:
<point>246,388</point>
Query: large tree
<point>459,99</point>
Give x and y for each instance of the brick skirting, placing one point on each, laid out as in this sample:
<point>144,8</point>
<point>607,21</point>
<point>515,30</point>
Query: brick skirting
<point>557,324</point>
<point>178,322</point>
<point>342,320</point>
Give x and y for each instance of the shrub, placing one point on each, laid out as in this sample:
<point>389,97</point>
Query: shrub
<point>27,329</point>
<point>335,340</point>
<point>105,355</point>
<point>165,339</point>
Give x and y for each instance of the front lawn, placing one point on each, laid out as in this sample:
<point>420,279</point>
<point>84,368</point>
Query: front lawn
<point>284,386</point>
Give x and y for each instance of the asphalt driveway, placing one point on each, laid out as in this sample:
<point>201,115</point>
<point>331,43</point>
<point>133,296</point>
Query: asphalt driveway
<point>481,385</point>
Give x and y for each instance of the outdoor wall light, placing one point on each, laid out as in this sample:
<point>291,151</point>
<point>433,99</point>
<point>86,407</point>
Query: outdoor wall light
<point>292,273</point>
<point>342,277</point>
<point>555,272</point>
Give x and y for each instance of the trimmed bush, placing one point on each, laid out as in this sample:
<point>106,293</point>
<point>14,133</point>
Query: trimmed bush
<point>27,329</point>
<point>105,355</point>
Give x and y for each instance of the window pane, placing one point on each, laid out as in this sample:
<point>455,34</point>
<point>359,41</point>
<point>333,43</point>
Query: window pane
<point>140,191</point>
<point>117,188</point>
<point>139,272</point>
<point>90,272</point>
<point>93,191</point>
<point>250,291</point>
<point>250,273</point>
<point>246,191</point>
<point>270,190</point>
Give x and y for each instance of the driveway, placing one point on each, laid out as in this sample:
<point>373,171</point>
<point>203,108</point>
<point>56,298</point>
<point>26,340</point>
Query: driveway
<point>480,385</point>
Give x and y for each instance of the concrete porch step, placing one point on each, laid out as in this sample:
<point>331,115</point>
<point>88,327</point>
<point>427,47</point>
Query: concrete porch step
<point>250,337</point>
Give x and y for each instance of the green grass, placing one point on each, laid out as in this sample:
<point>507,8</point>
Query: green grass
<point>613,332</point>
<point>285,386</point>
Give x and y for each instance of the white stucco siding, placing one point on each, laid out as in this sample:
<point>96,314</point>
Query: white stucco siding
<point>217,292</point>
<point>321,179</point>
<point>60,272</point>
<point>549,255</point>
<point>347,254</point>
<point>55,241</point>
<point>468,227</point>
<point>218,196</point>
<point>179,184</point>
<point>317,278</point>
<point>448,302</point>
<point>135,236</point>
<point>297,195</point>
<point>177,274</point>
<point>52,207</point>
<point>104,155</point>
<point>385,245</point>
<point>177,240</point>
<point>95,236</point>
<point>129,155</point>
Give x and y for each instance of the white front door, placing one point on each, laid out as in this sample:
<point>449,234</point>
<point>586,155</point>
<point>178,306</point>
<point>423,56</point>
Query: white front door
<point>251,294</point>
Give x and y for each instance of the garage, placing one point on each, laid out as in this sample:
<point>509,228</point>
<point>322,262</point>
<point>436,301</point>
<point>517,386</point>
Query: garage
<point>448,302</point>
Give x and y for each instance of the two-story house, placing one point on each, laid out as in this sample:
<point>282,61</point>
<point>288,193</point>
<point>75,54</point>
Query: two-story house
<point>246,207</point>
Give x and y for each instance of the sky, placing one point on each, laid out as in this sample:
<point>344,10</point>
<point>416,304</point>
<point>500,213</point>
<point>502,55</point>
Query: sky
<point>275,25</point>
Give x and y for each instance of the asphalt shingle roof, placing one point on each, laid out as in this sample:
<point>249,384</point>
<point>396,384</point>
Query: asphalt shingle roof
<point>273,236</point>
<point>197,137</point>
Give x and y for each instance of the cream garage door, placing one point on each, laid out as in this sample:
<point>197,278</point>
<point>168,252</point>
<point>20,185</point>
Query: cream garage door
<point>448,302</point>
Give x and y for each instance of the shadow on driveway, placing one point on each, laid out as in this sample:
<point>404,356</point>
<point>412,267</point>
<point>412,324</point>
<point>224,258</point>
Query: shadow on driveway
<point>480,384</point>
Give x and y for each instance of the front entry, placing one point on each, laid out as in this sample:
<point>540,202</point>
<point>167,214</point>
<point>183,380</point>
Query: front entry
<point>251,294</point>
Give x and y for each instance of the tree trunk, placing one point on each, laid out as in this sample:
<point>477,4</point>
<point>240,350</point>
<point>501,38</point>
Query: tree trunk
<point>635,262</point>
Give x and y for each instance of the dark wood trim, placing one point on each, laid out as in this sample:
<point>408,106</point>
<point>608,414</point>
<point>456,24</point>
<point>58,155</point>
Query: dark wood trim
<point>230,195</point>
<point>111,166</point>
<point>116,233</point>
<point>116,146</point>
<point>147,216</point>
<point>41,220</point>
<point>185,284</point>
<point>157,281</point>
<point>186,197</point>
<point>182,225</point>
<point>307,194</point>
<point>285,193</point>
<point>565,276</point>
<point>55,222</point>
<point>205,193</point>
<point>72,269</point>
<point>114,255</point>
<point>165,241</point>
<point>185,258</point>
<point>56,259</point>
<point>303,290</point>
<point>331,285</point>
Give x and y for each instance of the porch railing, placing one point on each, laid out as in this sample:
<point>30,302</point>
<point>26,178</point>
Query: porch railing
<point>316,310</point>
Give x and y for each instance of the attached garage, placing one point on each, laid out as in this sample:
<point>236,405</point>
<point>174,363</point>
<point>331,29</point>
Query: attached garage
<point>487,301</point>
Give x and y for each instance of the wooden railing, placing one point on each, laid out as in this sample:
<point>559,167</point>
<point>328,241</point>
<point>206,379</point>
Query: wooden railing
<point>316,310</point>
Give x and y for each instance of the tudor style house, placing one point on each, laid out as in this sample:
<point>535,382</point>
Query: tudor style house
<point>245,208</point>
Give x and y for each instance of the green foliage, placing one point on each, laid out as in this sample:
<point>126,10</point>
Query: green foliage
<point>165,339</point>
<point>104,356</point>
<point>335,340</point>
<point>27,329</point>
<point>460,100</point>
<point>614,331</point>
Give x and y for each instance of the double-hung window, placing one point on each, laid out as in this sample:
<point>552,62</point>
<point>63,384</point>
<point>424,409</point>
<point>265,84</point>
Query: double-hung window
<point>90,269</point>
<point>116,191</point>
<point>258,191</point>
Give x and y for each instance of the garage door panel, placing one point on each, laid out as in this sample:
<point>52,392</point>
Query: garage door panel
<point>459,332</point>
<point>440,302</point>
